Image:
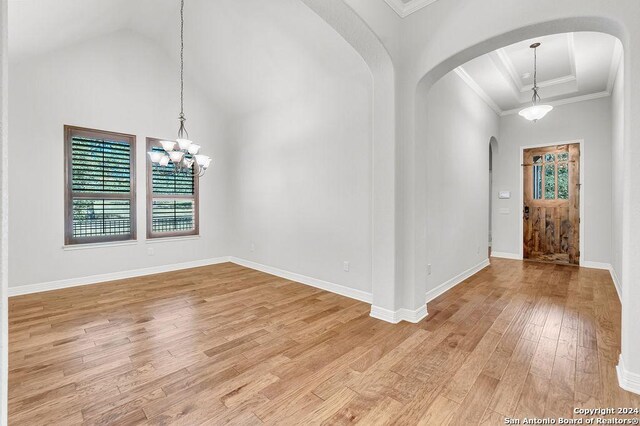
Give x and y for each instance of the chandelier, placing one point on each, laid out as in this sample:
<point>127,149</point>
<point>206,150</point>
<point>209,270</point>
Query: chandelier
<point>181,156</point>
<point>535,112</point>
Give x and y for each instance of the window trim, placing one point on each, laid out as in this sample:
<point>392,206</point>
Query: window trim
<point>69,133</point>
<point>155,142</point>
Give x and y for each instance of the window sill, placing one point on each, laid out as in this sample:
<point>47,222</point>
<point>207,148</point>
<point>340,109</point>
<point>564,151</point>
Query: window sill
<point>90,246</point>
<point>158,240</point>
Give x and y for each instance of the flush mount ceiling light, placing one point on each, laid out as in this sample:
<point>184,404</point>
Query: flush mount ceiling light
<point>535,112</point>
<point>182,155</point>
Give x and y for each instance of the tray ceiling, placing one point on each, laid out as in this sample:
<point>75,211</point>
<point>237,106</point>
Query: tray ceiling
<point>571,67</point>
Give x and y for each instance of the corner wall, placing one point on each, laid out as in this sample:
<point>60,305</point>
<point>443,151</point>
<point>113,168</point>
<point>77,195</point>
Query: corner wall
<point>617,178</point>
<point>302,181</point>
<point>119,82</point>
<point>459,129</point>
<point>4,227</point>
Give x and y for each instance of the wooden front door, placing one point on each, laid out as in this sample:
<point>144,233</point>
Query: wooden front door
<point>552,204</point>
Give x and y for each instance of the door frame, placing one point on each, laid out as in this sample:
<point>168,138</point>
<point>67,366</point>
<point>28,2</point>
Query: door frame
<point>580,142</point>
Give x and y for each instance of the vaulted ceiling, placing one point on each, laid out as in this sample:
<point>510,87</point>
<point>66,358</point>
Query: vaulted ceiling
<point>248,54</point>
<point>571,67</point>
<point>244,54</point>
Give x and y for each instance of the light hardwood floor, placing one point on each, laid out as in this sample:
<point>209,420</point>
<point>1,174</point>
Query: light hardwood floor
<point>228,344</point>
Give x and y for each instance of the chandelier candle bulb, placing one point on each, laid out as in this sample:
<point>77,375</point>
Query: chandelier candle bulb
<point>202,159</point>
<point>155,156</point>
<point>184,143</point>
<point>535,112</point>
<point>168,145</point>
<point>193,149</point>
<point>176,156</point>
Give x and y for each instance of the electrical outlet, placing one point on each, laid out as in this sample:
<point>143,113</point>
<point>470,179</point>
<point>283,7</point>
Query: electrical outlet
<point>429,269</point>
<point>252,247</point>
<point>150,251</point>
<point>345,266</point>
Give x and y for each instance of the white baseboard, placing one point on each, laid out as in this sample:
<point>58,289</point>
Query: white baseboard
<point>101,278</point>
<point>616,282</point>
<point>97,279</point>
<point>627,380</point>
<point>360,295</point>
<point>402,314</point>
<point>505,255</point>
<point>432,294</point>
<point>595,265</point>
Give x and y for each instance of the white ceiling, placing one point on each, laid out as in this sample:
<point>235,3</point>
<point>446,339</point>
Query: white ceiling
<point>571,67</point>
<point>244,54</point>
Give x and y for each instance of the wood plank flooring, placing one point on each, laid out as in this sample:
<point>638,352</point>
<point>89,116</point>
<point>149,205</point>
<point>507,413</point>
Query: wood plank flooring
<point>226,344</point>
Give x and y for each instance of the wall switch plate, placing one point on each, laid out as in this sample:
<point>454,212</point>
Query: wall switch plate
<point>345,266</point>
<point>429,269</point>
<point>150,251</point>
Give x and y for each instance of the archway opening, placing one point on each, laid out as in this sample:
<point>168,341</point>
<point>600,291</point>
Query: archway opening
<point>501,217</point>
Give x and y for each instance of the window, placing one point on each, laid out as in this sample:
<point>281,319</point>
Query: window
<point>552,170</point>
<point>172,200</point>
<point>99,186</point>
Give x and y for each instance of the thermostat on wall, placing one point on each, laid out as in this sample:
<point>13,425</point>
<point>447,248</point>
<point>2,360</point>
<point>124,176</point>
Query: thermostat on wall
<point>504,195</point>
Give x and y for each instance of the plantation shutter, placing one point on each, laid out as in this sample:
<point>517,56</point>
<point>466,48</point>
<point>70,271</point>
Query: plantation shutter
<point>172,199</point>
<point>100,195</point>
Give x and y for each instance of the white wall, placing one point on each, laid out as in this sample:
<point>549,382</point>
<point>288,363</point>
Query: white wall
<point>301,181</point>
<point>460,126</point>
<point>4,204</point>
<point>588,120</point>
<point>120,82</point>
<point>617,178</point>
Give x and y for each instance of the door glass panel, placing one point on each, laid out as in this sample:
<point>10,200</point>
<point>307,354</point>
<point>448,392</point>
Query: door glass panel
<point>563,181</point>
<point>550,181</point>
<point>563,156</point>
<point>537,182</point>
<point>549,158</point>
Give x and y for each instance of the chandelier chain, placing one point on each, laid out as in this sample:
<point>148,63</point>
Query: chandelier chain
<point>182,59</point>
<point>536,97</point>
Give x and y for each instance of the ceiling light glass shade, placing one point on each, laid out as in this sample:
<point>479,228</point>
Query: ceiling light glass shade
<point>168,145</point>
<point>202,159</point>
<point>188,162</point>
<point>155,156</point>
<point>207,163</point>
<point>184,143</point>
<point>164,161</point>
<point>176,156</point>
<point>194,149</point>
<point>535,112</point>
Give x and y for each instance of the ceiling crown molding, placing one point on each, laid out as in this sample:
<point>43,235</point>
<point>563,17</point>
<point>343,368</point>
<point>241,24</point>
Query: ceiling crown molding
<point>405,9</point>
